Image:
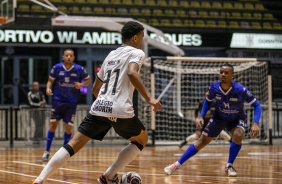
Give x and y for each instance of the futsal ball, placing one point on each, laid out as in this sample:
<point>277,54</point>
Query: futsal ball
<point>131,178</point>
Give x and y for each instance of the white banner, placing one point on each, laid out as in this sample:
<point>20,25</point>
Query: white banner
<point>256,41</point>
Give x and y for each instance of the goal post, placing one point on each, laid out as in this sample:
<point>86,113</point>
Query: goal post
<point>180,84</point>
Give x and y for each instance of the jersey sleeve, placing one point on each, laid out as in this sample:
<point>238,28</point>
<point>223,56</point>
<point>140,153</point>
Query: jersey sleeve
<point>137,57</point>
<point>211,94</point>
<point>83,74</point>
<point>248,96</point>
<point>53,73</point>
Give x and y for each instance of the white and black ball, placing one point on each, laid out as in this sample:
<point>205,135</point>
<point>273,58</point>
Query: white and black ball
<point>131,178</point>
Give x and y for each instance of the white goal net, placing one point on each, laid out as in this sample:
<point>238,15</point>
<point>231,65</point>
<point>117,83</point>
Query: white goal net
<point>180,84</point>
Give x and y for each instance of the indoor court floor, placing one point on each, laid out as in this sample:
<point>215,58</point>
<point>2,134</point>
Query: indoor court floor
<point>255,164</point>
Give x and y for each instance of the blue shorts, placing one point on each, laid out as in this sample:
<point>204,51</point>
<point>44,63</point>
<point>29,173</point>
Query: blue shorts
<point>63,110</point>
<point>214,127</point>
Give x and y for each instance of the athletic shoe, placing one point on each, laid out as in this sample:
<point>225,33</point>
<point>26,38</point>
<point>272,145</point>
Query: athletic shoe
<point>45,156</point>
<point>102,179</point>
<point>230,171</point>
<point>170,169</point>
<point>182,144</point>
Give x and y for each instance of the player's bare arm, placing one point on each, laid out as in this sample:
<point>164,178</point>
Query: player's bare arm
<point>49,86</point>
<point>139,86</point>
<point>79,85</point>
<point>96,87</point>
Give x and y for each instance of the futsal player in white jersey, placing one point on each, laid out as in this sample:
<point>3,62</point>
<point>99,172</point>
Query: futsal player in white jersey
<point>113,107</point>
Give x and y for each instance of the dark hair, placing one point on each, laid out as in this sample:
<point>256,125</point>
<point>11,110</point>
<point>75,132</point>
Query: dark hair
<point>69,50</point>
<point>228,65</point>
<point>130,29</point>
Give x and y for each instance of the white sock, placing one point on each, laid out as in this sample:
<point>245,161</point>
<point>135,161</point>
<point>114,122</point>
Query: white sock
<point>192,138</point>
<point>126,155</point>
<point>177,164</point>
<point>224,135</point>
<point>228,164</point>
<point>59,159</point>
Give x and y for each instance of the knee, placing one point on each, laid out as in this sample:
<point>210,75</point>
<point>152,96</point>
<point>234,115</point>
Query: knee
<point>202,142</point>
<point>53,126</point>
<point>68,129</point>
<point>238,136</point>
<point>141,140</point>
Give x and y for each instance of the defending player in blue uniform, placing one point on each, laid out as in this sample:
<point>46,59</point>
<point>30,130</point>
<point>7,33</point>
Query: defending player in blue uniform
<point>67,77</point>
<point>229,114</point>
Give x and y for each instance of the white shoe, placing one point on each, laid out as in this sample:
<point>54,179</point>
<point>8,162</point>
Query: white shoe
<point>170,169</point>
<point>230,171</point>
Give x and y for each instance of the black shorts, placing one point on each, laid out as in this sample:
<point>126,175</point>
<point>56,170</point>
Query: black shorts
<point>96,127</point>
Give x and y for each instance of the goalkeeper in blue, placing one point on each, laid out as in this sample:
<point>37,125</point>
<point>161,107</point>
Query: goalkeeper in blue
<point>229,114</point>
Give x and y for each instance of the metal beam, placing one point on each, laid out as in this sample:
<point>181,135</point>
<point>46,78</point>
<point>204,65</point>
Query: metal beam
<point>115,24</point>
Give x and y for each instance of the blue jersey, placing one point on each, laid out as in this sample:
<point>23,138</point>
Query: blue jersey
<point>230,103</point>
<point>64,89</point>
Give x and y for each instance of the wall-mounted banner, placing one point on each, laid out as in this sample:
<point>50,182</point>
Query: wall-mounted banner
<point>84,37</point>
<point>256,41</point>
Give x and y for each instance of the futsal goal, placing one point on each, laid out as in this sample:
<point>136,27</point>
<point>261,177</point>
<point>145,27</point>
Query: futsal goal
<point>180,84</point>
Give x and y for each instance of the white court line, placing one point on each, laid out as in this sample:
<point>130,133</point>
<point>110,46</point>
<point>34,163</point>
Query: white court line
<point>20,174</point>
<point>75,170</point>
<point>146,174</point>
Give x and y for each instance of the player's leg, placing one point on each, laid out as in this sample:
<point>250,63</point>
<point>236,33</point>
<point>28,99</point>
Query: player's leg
<point>62,156</point>
<point>67,136</point>
<point>68,118</point>
<point>212,130</point>
<point>56,116</point>
<point>224,135</point>
<point>133,130</point>
<point>92,127</point>
<point>237,133</point>
<point>191,151</point>
<point>50,135</point>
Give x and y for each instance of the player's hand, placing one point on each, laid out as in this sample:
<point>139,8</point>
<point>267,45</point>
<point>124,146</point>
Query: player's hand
<point>78,85</point>
<point>49,91</point>
<point>199,122</point>
<point>155,103</point>
<point>254,130</point>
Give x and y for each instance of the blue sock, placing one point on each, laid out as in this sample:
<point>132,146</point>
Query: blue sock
<point>191,151</point>
<point>50,136</point>
<point>67,138</point>
<point>233,152</point>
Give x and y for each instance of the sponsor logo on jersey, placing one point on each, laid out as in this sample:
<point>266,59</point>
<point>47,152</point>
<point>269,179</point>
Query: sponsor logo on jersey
<point>67,79</point>
<point>74,74</point>
<point>218,97</point>
<point>233,99</point>
<point>249,94</point>
<point>226,105</point>
<point>115,62</point>
<point>62,73</point>
<point>103,106</point>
